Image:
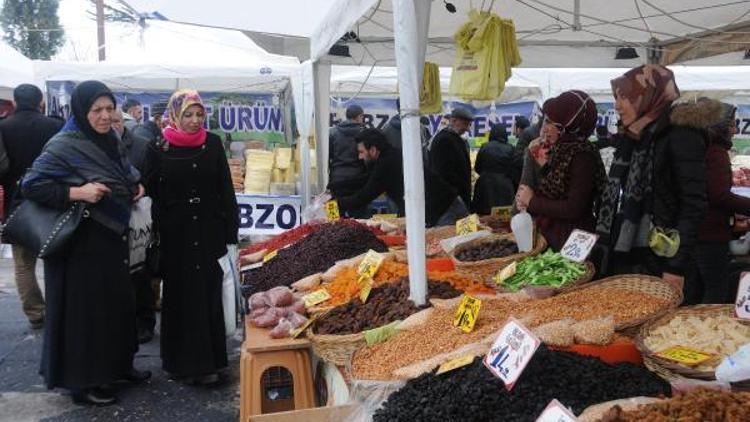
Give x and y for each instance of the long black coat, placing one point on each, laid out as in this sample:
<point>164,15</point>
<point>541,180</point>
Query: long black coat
<point>387,176</point>
<point>195,213</point>
<point>449,160</point>
<point>497,177</point>
<point>24,134</point>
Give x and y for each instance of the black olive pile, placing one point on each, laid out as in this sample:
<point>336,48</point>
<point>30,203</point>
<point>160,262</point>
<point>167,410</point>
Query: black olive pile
<point>314,253</point>
<point>473,393</point>
<point>487,250</point>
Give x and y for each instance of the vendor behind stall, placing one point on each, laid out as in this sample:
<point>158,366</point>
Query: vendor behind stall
<point>386,173</point>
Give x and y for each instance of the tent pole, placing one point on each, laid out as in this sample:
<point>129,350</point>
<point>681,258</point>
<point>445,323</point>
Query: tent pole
<point>322,116</point>
<point>411,20</point>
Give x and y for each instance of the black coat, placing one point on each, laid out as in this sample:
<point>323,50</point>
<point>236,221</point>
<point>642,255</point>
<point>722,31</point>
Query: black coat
<point>195,213</point>
<point>498,177</point>
<point>138,150</point>
<point>387,175</point>
<point>392,131</point>
<point>449,160</point>
<point>24,134</point>
<point>347,173</point>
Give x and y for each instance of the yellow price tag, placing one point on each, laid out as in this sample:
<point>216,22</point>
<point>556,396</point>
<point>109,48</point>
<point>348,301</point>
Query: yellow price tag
<point>316,297</point>
<point>297,331</point>
<point>685,355</point>
<point>467,313</point>
<point>467,225</point>
<point>370,264</point>
<point>332,210</point>
<point>385,216</point>
<point>269,256</point>
<point>503,213</point>
<point>366,283</point>
<point>505,273</point>
<point>455,364</point>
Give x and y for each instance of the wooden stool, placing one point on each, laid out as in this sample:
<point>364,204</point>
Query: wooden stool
<point>260,353</point>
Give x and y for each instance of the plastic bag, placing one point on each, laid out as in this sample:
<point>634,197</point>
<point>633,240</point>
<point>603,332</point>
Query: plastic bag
<point>229,289</point>
<point>315,211</point>
<point>369,396</point>
<point>256,312</point>
<point>296,319</point>
<point>280,296</point>
<point>259,300</point>
<point>281,330</point>
<point>270,318</point>
<point>735,367</point>
<point>139,234</point>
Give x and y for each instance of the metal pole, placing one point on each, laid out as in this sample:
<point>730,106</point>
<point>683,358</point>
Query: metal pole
<point>100,30</point>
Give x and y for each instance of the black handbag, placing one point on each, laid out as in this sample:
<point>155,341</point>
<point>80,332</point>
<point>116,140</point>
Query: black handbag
<point>43,231</point>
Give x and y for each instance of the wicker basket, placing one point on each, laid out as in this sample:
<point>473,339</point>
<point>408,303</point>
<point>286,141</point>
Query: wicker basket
<point>436,234</point>
<point>699,311</point>
<point>336,349</point>
<point>652,286</point>
<point>487,268</point>
<point>675,378</point>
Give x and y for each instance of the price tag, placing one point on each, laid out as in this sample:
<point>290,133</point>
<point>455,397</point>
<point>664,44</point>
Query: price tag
<point>467,225</point>
<point>269,256</point>
<point>370,264</point>
<point>556,412</point>
<point>332,210</point>
<point>505,273</point>
<point>316,297</point>
<point>742,304</point>
<point>294,333</point>
<point>511,352</point>
<point>685,355</point>
<point>366,283</point>
<point>385,216</point>
<point>503,213</point>
<point>578,246</point>
<point>455,364</point>
<point>467,313</point>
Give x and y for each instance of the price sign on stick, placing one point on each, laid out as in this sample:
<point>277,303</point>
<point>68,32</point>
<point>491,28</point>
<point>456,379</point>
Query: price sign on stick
<point>511,352</point>
<point>467,225</point>
<point>578,246</point>
<point>332,210</point>
<point>316,297</point>
<point>271,255</point>
<point>455,364</point>
<point>365,283</point>
<point>467,313</point>
<point>742,304</point>
<point>503,213</point>
<point>556,412</point>
<point>370,264</point>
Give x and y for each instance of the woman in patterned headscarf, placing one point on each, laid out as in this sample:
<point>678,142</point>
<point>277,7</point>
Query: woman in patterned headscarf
<point>196,219</point>
<point>656,196</point>
<point>571,174</point>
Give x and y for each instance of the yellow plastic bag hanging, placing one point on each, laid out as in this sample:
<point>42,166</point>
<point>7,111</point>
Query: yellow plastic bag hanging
<point>486,50</point>
<point>430,97</point>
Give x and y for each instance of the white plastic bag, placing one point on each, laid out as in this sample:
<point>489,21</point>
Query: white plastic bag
<point>228,264</point>
<point>139,234</point>
<point>315,211</point>
<point>735,367</point>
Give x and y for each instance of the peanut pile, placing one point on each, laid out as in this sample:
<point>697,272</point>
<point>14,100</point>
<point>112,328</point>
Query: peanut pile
<point>700,405</point>
<point>438,335</point>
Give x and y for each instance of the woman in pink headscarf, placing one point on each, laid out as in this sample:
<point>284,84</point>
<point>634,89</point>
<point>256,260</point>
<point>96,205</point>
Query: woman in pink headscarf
<point>571,173</point>
<point>196,219</point>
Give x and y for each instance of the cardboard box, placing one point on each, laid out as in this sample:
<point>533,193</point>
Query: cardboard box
<point>316,414</point>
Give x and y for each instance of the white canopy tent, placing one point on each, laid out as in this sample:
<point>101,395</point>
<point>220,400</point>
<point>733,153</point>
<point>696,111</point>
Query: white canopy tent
<point>579,33</point>
<point>15,69</point>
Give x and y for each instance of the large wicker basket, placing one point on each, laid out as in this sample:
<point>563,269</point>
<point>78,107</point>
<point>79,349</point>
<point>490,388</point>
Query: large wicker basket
<point>698,311</point>
<point>652,286</point>
<point>334,348</point>
<point>487,268</point>
<point>434,235</point>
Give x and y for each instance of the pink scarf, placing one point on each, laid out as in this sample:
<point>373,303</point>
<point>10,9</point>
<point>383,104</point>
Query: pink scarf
<point>179,138</point>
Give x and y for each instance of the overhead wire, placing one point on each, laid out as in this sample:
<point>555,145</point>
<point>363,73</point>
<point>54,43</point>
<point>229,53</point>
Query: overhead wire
<point>703,28</point>
<point>645,22</point>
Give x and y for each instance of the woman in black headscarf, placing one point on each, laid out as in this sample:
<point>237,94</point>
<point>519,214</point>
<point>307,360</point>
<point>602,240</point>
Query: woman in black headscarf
<point>90,335</point>
<point>498,173</point>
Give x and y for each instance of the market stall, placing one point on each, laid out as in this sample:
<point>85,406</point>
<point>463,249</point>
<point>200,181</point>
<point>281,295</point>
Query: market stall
<point>15,69</point>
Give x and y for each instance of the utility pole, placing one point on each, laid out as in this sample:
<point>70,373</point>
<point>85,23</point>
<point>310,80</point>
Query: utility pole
<point>100,29</point>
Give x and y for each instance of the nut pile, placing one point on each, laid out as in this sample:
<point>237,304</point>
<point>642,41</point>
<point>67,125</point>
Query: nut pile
<point>497,248</point>
<point>314,253</point>
<point>473,393</point>
<point>385,304</point>
<point>700,405</point>
<point>438,335</point>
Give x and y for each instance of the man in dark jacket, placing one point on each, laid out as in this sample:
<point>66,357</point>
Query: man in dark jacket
<point>347,174</point>
<point>498,173</point>
<point>386,172</point>
<point>132,113</point>
<point>136,146</point>
<point>450,161</point>
<point>24,134</point>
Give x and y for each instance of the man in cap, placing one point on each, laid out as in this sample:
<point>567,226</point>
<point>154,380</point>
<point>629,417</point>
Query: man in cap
<point>346,173</point>
<point>24,134</point>
<point>449,161</point>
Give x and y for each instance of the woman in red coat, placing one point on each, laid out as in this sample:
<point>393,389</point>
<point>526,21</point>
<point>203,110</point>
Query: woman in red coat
<point>710,284</point>
<point>571,172</point>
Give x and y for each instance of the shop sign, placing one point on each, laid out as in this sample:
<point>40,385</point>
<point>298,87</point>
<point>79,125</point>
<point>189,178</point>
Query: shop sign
<point>578,246</point>
<point>268,214</point>
<point>511,352</point>
<point>556,412</point>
